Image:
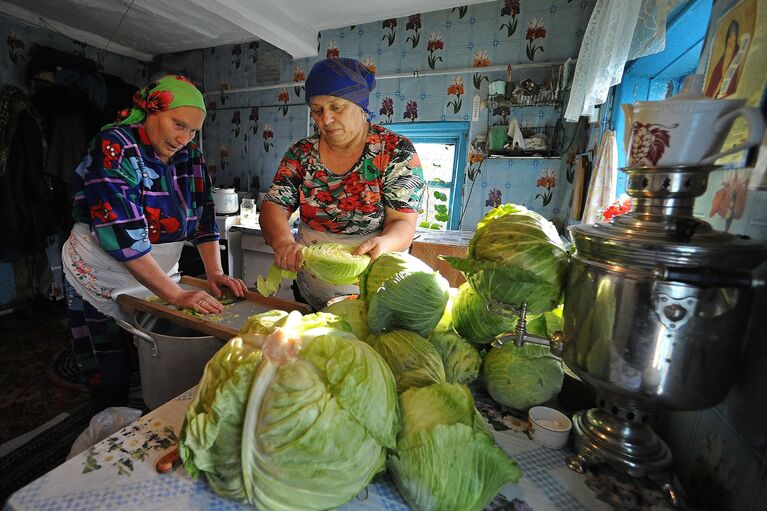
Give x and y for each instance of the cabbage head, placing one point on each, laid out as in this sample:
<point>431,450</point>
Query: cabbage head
<point>334,263</point>
<point>299,417</point>
<point>446,459</point>
<point>461,359</point>
<point>411,300</point>
<point>522,377</point>
<point>473,321</point>
<point>516,255</point>
<point>355,312</point>
<point>412,359</point>
<point>386,266</point>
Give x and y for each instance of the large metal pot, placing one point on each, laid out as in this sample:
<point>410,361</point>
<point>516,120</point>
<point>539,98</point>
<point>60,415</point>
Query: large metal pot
<point>171,357</point>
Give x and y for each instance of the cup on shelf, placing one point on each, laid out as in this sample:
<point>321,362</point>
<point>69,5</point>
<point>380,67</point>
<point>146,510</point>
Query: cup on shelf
<point>497,138</point>
<point>497,88</point>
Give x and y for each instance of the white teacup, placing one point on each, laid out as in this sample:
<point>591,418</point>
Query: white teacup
<point>691,132</point>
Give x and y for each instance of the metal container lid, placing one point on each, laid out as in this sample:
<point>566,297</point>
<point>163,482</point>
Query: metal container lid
<point>684,242</point>
<point>661,229</point>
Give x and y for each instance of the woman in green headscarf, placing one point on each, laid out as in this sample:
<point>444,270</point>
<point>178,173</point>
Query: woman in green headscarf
<point>140,193</point>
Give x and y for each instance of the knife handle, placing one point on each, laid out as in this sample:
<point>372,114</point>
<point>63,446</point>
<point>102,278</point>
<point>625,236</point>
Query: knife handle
<point>169,461</point>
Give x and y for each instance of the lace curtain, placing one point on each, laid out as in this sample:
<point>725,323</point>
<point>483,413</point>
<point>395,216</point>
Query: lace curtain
<point>604,179</point>
<point>605,48</point>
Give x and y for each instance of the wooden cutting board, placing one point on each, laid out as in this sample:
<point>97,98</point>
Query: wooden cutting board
<point>222,326</point>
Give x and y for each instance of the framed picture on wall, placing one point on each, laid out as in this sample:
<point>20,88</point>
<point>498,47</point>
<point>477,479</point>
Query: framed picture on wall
<point>758,179</point>
<point>736,48</point>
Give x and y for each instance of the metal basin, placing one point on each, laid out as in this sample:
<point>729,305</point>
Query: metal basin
<point>171,357</point>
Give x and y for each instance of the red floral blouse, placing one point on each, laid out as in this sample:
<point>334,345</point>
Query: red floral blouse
<point>388,174</point>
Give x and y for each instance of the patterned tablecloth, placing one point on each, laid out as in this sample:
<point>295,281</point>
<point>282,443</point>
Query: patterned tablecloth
<point>119,473</point>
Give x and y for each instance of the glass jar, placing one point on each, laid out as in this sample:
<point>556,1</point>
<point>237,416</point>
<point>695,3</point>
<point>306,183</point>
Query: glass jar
<point>248,212</point>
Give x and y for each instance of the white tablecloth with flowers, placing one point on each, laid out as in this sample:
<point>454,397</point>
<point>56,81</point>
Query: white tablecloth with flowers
<point>119,473</point>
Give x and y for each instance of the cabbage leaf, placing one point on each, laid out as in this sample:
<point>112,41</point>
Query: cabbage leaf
<point>334,263</point>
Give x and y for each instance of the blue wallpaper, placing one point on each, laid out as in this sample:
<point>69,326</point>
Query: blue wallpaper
<point>246,134</point>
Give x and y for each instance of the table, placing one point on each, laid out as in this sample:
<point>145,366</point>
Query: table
<point>429,244</point>
<point>119,473</point>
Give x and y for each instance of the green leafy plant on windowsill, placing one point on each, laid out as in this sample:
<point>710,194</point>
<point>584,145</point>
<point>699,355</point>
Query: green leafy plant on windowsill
<point>441,215</point>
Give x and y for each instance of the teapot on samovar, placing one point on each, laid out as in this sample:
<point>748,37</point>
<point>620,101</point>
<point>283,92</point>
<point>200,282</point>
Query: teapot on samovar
<point>687,129</point>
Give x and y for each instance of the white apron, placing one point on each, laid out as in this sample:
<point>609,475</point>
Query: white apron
<point>99,277</point>
<point>317,292</point>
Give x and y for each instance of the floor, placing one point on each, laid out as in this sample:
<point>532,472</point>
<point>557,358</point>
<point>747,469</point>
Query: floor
<point>42,407</point>
<point>32,338</point>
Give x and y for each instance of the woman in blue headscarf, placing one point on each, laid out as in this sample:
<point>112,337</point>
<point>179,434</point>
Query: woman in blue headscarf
<point>352,181</point>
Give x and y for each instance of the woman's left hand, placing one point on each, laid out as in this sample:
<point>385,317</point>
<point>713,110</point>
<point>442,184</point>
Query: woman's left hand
<point>373,247</point>
<point>217,282</point>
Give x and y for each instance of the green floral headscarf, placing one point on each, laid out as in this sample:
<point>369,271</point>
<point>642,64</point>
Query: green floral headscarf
<point>168,92</point>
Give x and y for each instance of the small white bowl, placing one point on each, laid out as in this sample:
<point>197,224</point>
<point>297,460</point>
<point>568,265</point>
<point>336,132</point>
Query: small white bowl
<point>548,427</point>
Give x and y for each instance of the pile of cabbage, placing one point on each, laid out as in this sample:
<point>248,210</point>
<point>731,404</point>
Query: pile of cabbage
<point>300,412</point>
<point>408,308</point>
<point>515,256</point>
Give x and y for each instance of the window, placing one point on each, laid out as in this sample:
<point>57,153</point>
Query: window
<point>442,148</point>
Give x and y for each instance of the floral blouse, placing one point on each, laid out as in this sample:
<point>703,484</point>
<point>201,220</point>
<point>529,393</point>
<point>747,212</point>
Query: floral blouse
<point>131,199</point>
<point>388,174</point>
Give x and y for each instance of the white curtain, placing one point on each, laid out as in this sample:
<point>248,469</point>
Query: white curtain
<point>618,31</point>
<point>604,179</point>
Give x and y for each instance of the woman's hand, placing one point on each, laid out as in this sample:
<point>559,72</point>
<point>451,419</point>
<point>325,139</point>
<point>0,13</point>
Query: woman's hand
<point>287,255</point>
<point>217,282</point>
<point>374,247</point>
<point>198,300</point>
<point>397,234</point>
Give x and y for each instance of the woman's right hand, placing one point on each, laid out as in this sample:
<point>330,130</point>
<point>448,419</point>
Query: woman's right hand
<point>287,255</point>
<point>198,300</point>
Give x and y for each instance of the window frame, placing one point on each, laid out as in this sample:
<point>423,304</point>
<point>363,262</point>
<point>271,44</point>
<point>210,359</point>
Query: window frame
<point>442,132</point>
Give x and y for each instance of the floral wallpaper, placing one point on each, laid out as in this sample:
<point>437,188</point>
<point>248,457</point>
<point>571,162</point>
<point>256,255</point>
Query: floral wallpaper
<point>466,37</point>
<point>20,37</point>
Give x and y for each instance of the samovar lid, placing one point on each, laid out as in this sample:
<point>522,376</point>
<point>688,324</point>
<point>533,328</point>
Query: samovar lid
<point>661,228</point>
<point>681,241</point>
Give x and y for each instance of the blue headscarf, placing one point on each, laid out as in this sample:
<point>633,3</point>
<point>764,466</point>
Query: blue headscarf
<point>341,77</point>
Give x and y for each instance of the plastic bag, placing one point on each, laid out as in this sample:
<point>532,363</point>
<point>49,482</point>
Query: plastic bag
<point>106,422</point>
